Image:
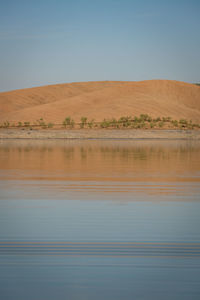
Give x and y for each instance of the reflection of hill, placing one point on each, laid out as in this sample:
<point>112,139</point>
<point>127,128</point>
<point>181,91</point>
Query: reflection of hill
<point>102,160</point>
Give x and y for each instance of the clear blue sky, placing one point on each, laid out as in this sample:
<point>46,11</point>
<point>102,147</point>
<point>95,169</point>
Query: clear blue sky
<point>47,42</point>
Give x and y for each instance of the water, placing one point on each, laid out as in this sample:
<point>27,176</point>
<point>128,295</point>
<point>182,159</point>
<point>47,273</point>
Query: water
<point>99,220</point>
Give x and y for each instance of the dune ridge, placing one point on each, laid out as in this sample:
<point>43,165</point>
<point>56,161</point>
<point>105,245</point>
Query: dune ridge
<point>103,99</point>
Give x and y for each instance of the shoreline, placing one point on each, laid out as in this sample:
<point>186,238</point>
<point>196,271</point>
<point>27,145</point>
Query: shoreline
<point>126,134</point>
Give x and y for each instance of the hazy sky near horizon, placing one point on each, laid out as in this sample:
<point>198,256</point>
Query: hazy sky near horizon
<point>48,41</point>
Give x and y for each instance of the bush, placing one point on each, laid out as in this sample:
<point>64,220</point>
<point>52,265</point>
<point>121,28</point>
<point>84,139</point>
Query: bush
<point>138,125</point>
<point>166,119</point>
<point>105,123</point>
<point>72,123</point>
<point>157,119</point>
<point>6,124</point>
<point>64,123</point>
<point>41,123</point>
<point>195,125</point>
<point>50,125</point>
<point>68,122</point>
<point>183,122</point>
<point>114,123</point>
<point>136,119</point>
<point>26,124</point>
<point>145,117</point>
<point>83,122</point>
<point>175,123</point>
<point>91,123</point>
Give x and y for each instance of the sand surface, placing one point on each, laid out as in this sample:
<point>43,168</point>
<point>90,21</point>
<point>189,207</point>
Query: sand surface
<point>99,100</point>
<point>100,134</point>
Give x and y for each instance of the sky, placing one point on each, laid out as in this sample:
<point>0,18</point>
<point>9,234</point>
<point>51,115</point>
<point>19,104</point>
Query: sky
<point>47,42</point>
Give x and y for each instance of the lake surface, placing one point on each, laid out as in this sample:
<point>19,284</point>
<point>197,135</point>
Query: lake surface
<point>99,219</point>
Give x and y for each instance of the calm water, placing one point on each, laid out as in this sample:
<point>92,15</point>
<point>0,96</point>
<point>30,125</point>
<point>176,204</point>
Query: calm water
<point>99,220</point>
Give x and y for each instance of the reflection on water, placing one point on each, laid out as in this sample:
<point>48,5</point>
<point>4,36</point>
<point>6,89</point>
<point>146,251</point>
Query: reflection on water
<point>99,220</point>
<point>101,249</point>
<point>101,160</point>
<point>103,166</point>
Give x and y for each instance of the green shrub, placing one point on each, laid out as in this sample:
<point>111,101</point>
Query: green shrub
<point>175,123</point>
<point>124,121</point>
<point>158,119</point>
<point>135,125</point>
<point>136,119</point>
<point>91,123</point>
<point>72,123</point>
<point>26,124</point>
<point>41,123</point>
<point>139,125</point>
<point>6,124</point>
<point>105,124</point>
<point>145,117</point>
<point>68,121</point>
<point>166,119</point>
<point>64,123</point>
<point>183,122</point>
<point>83,122</point>
<point>114,123</point>
<point>50,125</point>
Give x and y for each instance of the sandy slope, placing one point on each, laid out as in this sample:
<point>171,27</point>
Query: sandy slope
<point>101,100</point>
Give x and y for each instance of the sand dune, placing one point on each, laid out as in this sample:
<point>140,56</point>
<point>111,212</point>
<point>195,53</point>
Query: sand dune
<point>99,100</point>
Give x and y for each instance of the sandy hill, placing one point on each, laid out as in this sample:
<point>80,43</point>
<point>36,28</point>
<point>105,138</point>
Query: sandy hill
<point>104,99</point>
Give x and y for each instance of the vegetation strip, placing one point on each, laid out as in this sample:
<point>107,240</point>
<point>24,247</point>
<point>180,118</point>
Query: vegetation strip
<point>144,121</point>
